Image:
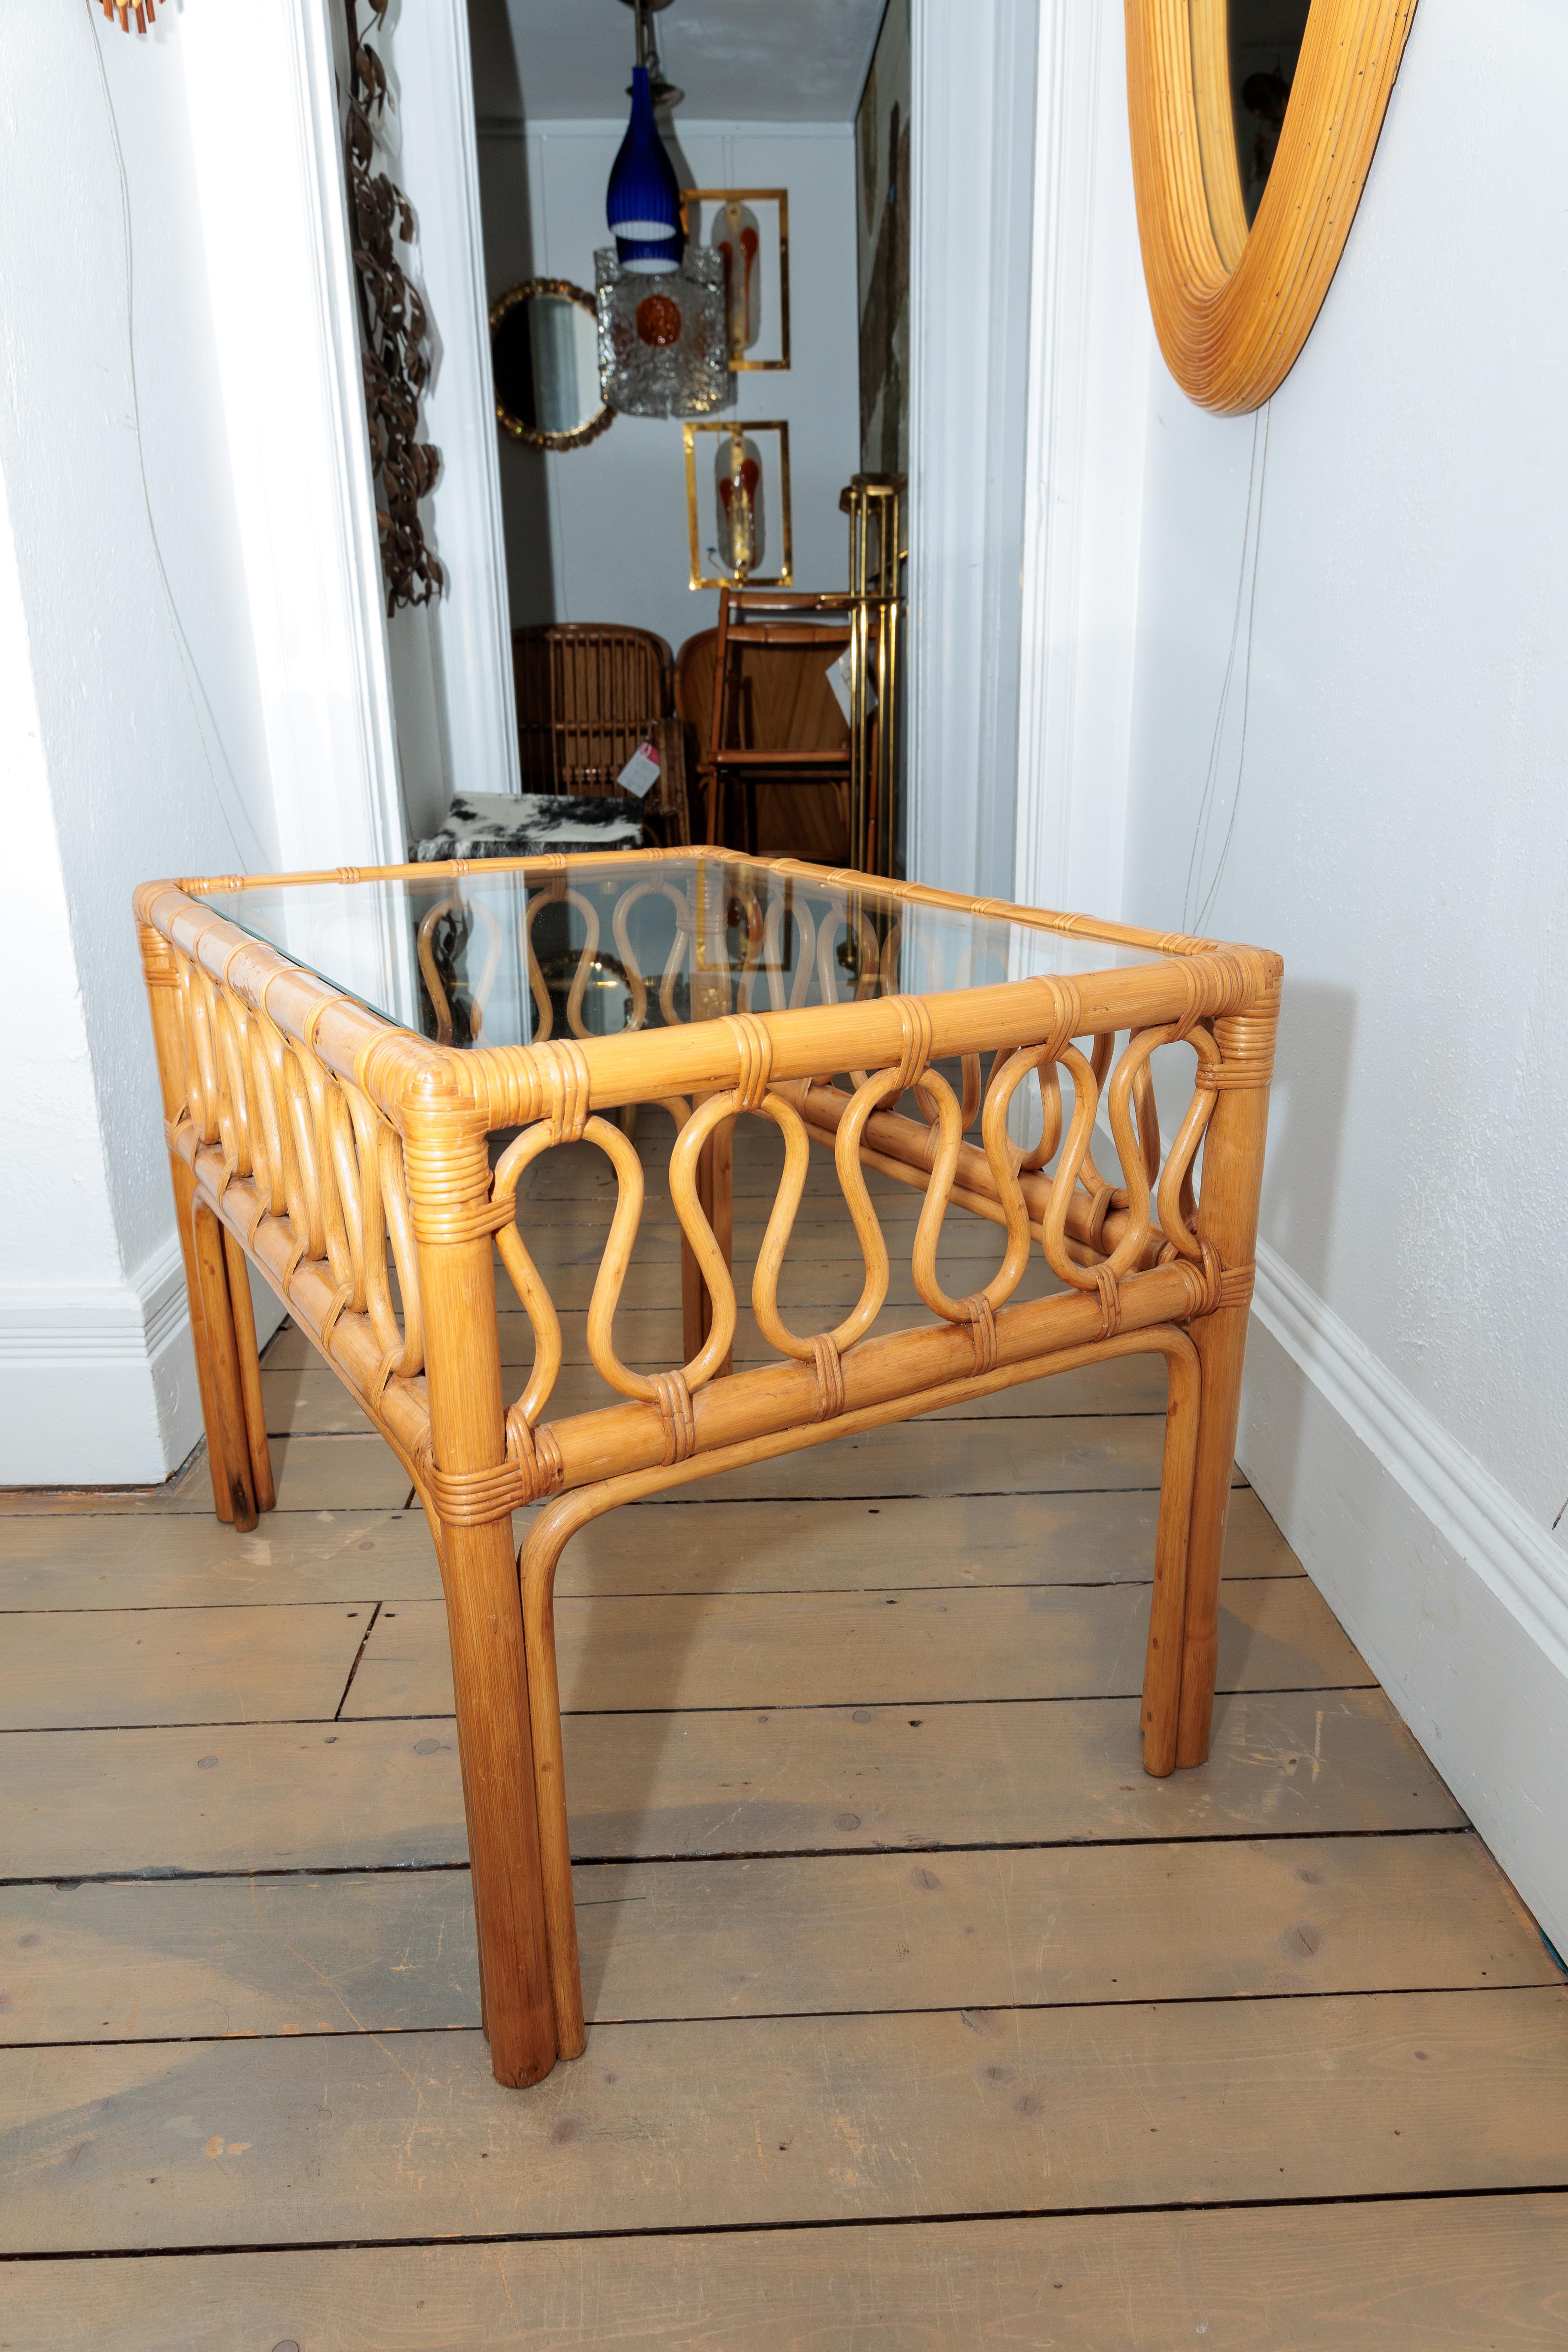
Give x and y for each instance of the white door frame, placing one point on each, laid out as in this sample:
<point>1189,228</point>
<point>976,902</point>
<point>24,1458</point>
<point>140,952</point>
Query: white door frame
<point>287,329</point>
<point>1091,350</point>
<point>972,168</point>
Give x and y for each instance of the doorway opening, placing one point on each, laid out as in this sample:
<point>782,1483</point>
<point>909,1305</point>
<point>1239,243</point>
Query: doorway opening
<point>703,437</point>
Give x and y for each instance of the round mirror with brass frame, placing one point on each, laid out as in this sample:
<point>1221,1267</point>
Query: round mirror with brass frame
<point>1234,303</point>
<point>544,362</point>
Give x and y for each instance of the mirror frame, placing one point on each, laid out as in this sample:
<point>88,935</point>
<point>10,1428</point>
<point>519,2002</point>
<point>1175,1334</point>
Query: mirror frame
<point>531,434</point>
<point>1234,305</point>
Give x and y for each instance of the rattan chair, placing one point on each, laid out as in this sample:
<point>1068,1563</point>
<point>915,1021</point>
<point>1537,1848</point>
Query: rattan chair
<point>587,695</point>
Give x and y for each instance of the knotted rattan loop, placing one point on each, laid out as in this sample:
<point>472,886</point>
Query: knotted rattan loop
<point>1110,1292</point>
<point>915,1022</point>
<point>983,1331</point>
<point>829,1366</point>
<point>1067,1006</point>
<point>561,1067</point>
<point>1212,1285</point>
<point>343,1297</point>
<point>674,1401</point>
<point>756,1051</point>
<point>1236,1285</point>
<point>474,1499</point>
<point>536,1454</point>
<point>1246,1040</point>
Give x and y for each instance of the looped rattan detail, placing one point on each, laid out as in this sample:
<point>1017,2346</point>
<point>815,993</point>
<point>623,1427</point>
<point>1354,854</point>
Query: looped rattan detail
<point>1101,1199</point>
<point>1110,1292</point>
<point>756,1051</point>
<point>829,1368</point>
<point>673,1397</point>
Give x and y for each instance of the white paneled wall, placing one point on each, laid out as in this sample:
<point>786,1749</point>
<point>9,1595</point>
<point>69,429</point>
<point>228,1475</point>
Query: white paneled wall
<point>1374,565</point>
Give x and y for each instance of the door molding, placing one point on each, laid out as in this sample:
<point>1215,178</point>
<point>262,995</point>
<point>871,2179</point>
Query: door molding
<point>972,136</point>
<point>286,324</point>
<point>1091,349</point>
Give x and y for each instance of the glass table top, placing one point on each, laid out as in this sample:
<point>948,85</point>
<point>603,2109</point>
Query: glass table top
<point>501,957</point>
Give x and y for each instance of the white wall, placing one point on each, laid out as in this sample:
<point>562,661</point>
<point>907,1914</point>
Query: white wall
<point>135,743</point>
<point>600,533</point>
<point>191,616</point>
<point>1389,773</point>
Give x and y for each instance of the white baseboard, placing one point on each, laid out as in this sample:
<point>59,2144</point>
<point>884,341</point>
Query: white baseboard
<point>1455,1597</point>
<point>98,1381</point>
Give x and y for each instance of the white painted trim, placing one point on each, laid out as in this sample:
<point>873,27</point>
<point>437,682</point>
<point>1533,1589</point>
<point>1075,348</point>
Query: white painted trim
<point>1090,349</point>
<point>428,52</point>
<point>97,1380</point>
<point>286,331</point>
<point>91,1323</point>
<point>972,135</point>
<point>1455,1597</point>
<point>1513,1555</point>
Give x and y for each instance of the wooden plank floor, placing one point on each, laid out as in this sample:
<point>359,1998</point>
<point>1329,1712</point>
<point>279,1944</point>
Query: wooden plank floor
<point>920,2017</point>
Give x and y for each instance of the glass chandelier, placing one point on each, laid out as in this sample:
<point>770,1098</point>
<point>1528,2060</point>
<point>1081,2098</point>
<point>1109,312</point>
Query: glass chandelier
<point>663,345</point>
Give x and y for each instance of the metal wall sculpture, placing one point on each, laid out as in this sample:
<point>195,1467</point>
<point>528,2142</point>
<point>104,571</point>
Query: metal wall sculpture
<point>396,358</point>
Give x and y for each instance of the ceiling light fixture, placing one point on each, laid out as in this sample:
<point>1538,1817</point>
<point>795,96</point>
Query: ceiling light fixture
<point>665,94</point>
<point>663,345</point>
<point>643,200</point>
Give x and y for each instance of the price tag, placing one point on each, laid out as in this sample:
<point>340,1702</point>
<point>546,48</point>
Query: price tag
<point>841,678</point>
<point>641,772</point>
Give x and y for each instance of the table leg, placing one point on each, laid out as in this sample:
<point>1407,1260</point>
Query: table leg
<point>227,1437</point>
<point>537,1563</point>
<point>249,1372</point>
<point>484,1614</point>
<point>184,1185</point>
<point>1228,1217</point>
<point>495,1746</point>
<point>168,1040</point>
<point>1161,1709</point>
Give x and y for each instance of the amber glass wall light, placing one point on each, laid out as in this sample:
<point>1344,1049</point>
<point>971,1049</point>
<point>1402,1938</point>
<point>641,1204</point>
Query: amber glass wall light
<point>1234,305</point>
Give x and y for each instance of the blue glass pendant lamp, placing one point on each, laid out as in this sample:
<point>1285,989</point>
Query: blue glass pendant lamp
<point>643,201</point>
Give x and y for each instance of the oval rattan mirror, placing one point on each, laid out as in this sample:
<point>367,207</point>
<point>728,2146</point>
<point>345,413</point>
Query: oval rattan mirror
<point>1253,125</point>
<point>545,360</point>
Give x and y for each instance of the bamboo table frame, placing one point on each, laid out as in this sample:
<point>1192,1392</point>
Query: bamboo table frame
<point>311,1135</point>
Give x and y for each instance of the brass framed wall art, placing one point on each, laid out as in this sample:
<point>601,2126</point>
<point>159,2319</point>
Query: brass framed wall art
<point>1253,126</point>
<point>737,503</point>
<point>749,228</point>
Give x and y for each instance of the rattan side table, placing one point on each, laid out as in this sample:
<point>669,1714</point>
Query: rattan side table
<point>343,1054</point>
